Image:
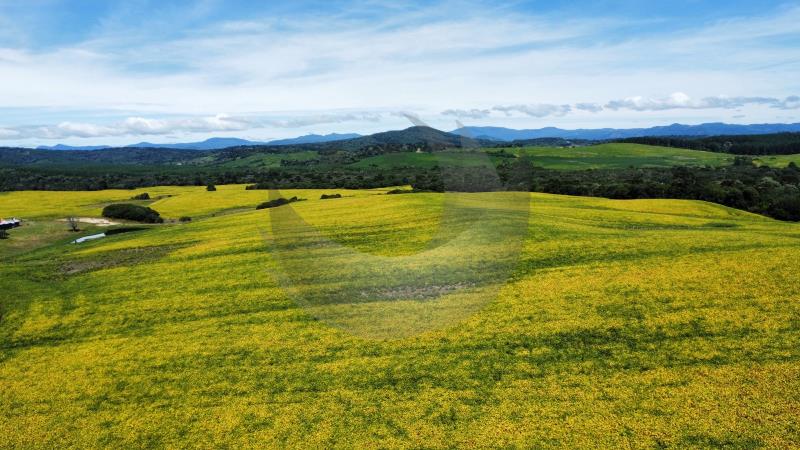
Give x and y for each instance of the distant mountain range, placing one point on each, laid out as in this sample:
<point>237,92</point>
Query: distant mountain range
<point>70,147</point>
<point>410,139</point>
<point>431,138</point>
<point>676,129</point>
<point>215,143</point>
<point>209,144</point>
<point>315,138</point>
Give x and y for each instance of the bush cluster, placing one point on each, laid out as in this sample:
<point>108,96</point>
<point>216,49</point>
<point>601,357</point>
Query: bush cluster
<point>127,211</point>
<point>277,202</point>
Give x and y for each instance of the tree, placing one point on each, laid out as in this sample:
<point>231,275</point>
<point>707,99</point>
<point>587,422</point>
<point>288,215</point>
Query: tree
<point>73,224</point>
<point>211,188</point>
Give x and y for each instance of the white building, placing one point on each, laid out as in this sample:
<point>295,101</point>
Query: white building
<point>7,224</point>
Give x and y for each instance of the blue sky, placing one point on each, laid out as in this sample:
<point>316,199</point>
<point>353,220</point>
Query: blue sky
<point>91,72</point>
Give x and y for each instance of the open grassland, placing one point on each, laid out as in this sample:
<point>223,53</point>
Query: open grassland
<point>615,156</point>
<point>458,158</point>
<point>778,160</point>
<point>605,156</point>
<point>644,323</point>
<point>270,160</point>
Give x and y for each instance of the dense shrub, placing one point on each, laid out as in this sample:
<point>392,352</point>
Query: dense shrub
<point>277,202</point>
<point>327,196</point>
<point>126,211</point>
<point>211,188</point>
<point>185,219</point>
<point>142,196</point>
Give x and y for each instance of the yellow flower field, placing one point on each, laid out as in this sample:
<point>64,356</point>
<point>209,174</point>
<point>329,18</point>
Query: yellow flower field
<point>636,324</point>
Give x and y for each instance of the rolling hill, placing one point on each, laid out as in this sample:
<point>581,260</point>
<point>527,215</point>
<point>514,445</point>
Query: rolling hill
<point>603,156</point>
<point>393,148</point>
<point>648,323</point>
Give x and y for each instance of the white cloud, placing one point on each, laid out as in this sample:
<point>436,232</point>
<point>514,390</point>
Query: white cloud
<point>141,126</point>
<point>6,133</point>
<point>319,119</point>
<point>680,100</point>
<point>535,110</point>
<point>589,107</point>
<point>467,113</point>
<point>639,103</point>
<point>791,102</point>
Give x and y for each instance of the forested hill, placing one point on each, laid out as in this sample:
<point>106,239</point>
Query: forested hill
<point>410,139</point>
<point>764,144</point>
<point>110,156</point>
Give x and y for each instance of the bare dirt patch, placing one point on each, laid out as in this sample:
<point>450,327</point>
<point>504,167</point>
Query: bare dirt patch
<point>117,258</point>
<point>100,222</point>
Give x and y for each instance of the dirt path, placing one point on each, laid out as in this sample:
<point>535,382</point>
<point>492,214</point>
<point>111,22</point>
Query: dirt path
<point>94,221</point>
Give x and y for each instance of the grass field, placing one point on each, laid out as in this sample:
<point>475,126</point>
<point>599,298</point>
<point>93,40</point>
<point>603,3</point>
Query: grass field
<point>424,160</point>
<point>614,156</point>
<point>640,324</point>
<point>605,156</point>
<point>270,160</point>
<point>778,160</point>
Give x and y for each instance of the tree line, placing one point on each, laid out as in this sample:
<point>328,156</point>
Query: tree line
<point>766,144</point>
<point>774,192</point>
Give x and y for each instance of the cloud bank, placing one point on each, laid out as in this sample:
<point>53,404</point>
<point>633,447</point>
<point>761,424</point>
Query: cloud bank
<point>680,100</point>
<point>143,126</point>
<point>675,101</point>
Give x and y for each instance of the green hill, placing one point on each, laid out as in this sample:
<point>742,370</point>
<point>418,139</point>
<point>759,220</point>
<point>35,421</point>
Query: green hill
<point>605,156</point>
<point>612,156</point>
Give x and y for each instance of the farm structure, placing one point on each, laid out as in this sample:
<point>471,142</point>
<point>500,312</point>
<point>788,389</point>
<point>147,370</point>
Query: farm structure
<point>7,224</point>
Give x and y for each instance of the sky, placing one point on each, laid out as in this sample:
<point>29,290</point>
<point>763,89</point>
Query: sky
<point>86,72</point>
